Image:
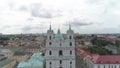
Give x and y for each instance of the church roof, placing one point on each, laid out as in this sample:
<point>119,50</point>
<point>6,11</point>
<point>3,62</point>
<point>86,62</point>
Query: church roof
<point>50,30</point>
<point>70,30</point>
<point>58,36</point>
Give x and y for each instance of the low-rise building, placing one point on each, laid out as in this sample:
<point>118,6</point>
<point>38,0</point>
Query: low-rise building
<point>98,61</point>
<point>7,63</point>
<point>104,62</point>
<point>32,49</point>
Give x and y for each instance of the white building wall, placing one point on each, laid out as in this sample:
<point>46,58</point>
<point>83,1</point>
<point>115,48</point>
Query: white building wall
<point>54,58</point>
<point>90,64</point>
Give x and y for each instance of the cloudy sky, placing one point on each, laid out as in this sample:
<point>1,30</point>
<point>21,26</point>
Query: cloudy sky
<point>34,16</point>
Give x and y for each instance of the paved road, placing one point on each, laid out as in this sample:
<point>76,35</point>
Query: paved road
<point>79,62</point>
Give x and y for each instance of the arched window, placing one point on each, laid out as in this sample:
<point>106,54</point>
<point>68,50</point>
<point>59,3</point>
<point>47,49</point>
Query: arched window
<point>70,52</point>
<point>70,37</point>
<point>70,64</point>
<point>50,37</point>
<point>70,43</point>
<point>50,52</point>
<point>60,61</point>
<point>60,53</point>
<point>50,63</point>
<point>60,44</point>
<point>50,43</point>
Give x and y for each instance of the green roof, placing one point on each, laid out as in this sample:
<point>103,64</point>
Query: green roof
<point>70,30</point>
<point>36,60</point>
<point>50,30</point>
<point>58,36</point>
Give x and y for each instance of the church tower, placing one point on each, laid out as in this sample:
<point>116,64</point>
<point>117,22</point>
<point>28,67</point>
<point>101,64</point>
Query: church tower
<point>60,52</point>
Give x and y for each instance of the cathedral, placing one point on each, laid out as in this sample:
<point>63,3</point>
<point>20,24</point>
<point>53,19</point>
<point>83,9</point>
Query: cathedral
<point>60,49</point>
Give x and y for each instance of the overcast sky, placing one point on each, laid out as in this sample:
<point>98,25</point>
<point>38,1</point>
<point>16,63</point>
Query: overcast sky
<point>34,16</point>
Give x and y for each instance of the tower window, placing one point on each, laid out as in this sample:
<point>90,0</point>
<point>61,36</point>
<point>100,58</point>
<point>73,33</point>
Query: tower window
<point>70,43</point>
<point>60,53</point>
<point>60,61</point>
<point>70,62</point>
<point>60,44</point>
<point>70,52</point>
<point>50,43</point>
<point>50,52</point>
<point>70,37</point>
<point>50,63</point>
<point>50,37</point>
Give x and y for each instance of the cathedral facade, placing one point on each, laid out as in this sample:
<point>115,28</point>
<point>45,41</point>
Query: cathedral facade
<point>60,50</point>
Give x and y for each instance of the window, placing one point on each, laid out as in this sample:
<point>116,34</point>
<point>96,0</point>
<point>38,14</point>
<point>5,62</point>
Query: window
<point>60,53</point>
<point>60,44</point>
<point>50,43</point>
<point>70,62</point>
<point>70,43</point>
<point>70,52</point>
<point>70,37</point>
<point>60,67</point>
<point>50,37</point>
<point>50,63</point>
<point>98,66</point>
<point>60,61</point>
<point>50,52</point>
<point>104,66</point>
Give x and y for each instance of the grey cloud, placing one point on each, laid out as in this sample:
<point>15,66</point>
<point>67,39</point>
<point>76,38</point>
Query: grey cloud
<point>26,28</point>
<point>38,11</point>
<point>23,8</point>
<point>30,19</point>
<point>31,27</point>
<point>76,23</point>
<point>93,1</point>
<point>11,5</point>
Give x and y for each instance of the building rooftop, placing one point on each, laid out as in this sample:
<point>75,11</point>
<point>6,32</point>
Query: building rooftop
<point>107,60</point>
<point>35,61</point>
<point>4,62</point>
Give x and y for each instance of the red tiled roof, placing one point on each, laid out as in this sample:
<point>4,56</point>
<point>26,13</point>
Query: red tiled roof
<point>107,60</point>
<point>99,59</point>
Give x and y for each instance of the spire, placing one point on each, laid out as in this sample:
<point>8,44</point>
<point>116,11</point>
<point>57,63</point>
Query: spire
<point>69,30</point>
<point>58,31</point>
<point>50,26</point>
<point>69,27</point>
